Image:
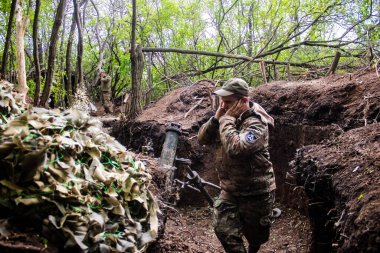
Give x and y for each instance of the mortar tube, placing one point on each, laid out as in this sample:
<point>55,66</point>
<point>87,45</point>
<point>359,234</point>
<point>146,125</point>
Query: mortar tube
<point>173,131</point>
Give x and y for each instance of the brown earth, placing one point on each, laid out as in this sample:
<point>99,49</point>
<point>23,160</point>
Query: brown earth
<point>342,180</point>
<point>305,112</point>
<point>189,229</point>
<point>343,164</point>
<point>308,112</point>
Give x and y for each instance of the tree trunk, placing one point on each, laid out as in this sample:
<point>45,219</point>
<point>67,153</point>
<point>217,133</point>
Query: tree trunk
<point>80,43</point>
<point>40,51</point>
<point>52,52</point>
<point>134,106</point>
<point>36,54</point>
<point>249,76</point>
<point>149,94</point>
<point>101,45</point>
<point>275,72</point>
<point>61,68</point>
<point>288,72</point>
<point>7,40</point>
<point>69,86</point>
<point>137,64</point>
<point>263,71</point>
<point>21,24</point>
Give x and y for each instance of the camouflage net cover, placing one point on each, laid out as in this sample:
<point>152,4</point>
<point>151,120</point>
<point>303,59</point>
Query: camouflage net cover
<point>63,169</point>
<point>81,100</point>
<point>10,102</point>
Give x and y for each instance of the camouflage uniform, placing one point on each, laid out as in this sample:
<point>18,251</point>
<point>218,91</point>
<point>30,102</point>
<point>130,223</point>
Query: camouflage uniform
<point>105,85</point>
<point>246,177</point>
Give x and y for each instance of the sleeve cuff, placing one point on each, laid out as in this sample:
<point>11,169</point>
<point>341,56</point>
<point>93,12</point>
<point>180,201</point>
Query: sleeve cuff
<point>227,118</point>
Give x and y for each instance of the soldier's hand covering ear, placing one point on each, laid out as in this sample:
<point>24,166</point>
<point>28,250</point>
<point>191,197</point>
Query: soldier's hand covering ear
<point>221,110</point>
<point>236,109</point>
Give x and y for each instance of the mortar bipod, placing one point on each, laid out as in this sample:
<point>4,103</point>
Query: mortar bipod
<point>194,181</point>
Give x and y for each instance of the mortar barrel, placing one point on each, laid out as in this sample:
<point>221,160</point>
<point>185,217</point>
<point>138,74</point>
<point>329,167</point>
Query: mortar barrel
<point>173,131</point>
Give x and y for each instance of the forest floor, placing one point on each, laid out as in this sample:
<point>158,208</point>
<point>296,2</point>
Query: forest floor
<point>190,230</point>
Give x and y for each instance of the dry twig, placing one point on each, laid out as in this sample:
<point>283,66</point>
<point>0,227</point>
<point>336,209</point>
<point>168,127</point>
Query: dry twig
<point>192,108</point>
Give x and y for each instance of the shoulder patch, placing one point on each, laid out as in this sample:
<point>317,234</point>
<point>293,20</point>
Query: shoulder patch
<point>250,137</point>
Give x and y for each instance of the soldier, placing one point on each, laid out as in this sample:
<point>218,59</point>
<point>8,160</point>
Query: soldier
<point>105,85</point>
<point>244,207</point>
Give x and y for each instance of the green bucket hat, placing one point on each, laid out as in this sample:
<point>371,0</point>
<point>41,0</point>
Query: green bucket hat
<point>236,86</point>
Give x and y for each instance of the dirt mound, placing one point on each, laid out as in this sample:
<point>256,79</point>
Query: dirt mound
<point>185,105</point>
<point>342,180</point>
<point>346,100</point>
<point>189,106</point>
<point>308,112</point>
<point>305,113</point>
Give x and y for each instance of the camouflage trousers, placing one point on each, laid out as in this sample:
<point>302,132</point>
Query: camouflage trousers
<point>107,104</point>
<point>235,217</point>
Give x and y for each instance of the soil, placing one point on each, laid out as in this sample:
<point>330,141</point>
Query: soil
<point>305,112</point>
<point>342,180</point>
<point>23,236</point>
<point>308,112</point>
<point>190,230</point>
<point>329,194</point>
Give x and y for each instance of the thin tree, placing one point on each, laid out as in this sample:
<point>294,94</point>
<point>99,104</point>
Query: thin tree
<point>101,42</point>
<point>150,93</point>
<point>134,104</point>
<point>69,49</point>
<point>7,40</point>
<point>52,52</point>
<point>80,43</point>
<point>21,24</point>
<point>36,53</point>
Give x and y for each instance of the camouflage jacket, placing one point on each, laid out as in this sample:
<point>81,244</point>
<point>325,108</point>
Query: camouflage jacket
<point>244,167</point>
<point>105,84</point>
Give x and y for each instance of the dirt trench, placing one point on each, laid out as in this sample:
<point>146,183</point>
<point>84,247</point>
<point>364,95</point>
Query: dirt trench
<point>306,113</point>
<point>316,115</point>
<point>342,179</point>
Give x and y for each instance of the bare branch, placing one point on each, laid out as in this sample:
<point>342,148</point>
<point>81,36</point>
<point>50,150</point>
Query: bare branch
<point>234,56</point>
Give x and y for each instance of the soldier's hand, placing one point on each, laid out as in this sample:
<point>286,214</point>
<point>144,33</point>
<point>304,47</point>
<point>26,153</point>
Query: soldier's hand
<point>221,110</point>
<point>236,109</point>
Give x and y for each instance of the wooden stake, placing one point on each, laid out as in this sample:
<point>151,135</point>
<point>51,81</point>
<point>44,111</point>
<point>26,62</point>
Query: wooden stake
<point>289,74</point>
<point>334,64</point>
<point>263,72</point>
<point>275,72</point>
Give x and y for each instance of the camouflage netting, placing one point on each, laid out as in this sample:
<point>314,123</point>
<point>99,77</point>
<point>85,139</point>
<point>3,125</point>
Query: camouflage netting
<point>62,169</point>
<point>10,102</point>
<point>81,100</point>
